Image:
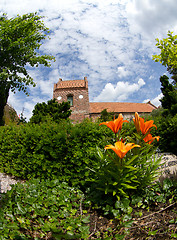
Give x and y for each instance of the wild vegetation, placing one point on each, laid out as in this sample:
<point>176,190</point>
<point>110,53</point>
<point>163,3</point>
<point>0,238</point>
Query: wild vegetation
<point>91,180</point>
<point>77,190</point>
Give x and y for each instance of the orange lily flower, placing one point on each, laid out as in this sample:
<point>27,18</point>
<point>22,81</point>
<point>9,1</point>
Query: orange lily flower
<point>149,138</point>
<point>141,125</point>
<point>120,148</point>
<point>137,122</point>
<point>116,124</point>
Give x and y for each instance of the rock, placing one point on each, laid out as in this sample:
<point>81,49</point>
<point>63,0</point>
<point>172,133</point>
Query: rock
<point>169,166</point>
<point>6,181</point>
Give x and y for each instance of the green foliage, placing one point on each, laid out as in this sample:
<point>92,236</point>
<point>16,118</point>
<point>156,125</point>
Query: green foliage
<point>156,193</point>
<point>38,209</point>
<point>49,208</point>
<point>82,142</point>
<point>51,110</point>
<point>51,150</point>
<point>117,178</point>
<point>166,117</point>
<point>31,150</point>
<point>20,40</point>
<point>106,116</point>
<point>169,99</point>
<point>168,52</point>
<point>166,129</point>
<point>168,132</point>
<point>21,119</point>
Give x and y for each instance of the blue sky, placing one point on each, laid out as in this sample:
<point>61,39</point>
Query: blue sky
<point>111,42</point>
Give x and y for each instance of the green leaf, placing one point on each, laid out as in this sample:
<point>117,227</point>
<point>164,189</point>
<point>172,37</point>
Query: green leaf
<point>131,160</point>
<point>100,154</point>
<point>21,208</point>
<point>65,236</point>
<point>119,236</point>
<point>130,167</point>
<point>174,235</point>
<point>114,193</point>
<point>13,226</point>
<point>86,219</point>
<point>128,186</point>
<point>152,233</point>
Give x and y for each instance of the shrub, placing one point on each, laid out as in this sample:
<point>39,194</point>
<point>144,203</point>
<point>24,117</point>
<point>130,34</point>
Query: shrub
<point>51,150</point>
<point>31,150</point>
<point>43,210</point>
<point>81,157</point>
<point>166,129</point>
<point>168,132</point>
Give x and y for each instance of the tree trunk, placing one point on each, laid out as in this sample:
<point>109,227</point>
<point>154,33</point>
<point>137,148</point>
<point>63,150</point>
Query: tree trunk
<point>4,94</point>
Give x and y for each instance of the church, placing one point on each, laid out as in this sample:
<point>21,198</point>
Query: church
<point>76,92</point>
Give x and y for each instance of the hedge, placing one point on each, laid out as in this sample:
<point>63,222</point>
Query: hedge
<point>51,150</point>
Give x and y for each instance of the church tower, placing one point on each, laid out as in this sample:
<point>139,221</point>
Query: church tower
<point>76,93</point>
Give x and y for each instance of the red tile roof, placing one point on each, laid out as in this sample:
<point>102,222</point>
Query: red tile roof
<point>121,107</point>
<point>71,84</point>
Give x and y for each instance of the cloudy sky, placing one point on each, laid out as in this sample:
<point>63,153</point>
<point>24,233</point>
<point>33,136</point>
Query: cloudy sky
<point>111,42</point>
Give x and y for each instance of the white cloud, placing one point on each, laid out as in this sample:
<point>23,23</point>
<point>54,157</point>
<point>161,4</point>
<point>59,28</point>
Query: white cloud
<point>122,72</point>
<point>15,102</point>
<point>152,17</point>
<point>155,101</point>
<point>120,92</point>
<point>106,41</point>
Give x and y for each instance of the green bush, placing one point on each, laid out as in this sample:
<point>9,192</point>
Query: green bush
<point>166,129</point>
<point>81,155</point>
<point>168,132</point>
<point>43,210</point>
<point>31,151</point>
<point>51,150</point>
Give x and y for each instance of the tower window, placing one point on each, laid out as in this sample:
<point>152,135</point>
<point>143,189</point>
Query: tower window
<point>70,99</point>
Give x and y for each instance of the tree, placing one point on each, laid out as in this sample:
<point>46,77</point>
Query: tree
<point>166,89</point>
<point>20,40</point>
<point>106,116</point>
<point>168,54</point>
<point>50,110</point>
<point>168,58</point>
<point>169,99</point>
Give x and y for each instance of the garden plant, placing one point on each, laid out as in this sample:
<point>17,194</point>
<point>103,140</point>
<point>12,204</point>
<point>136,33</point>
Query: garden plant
<point>84,181</point>
<point>129,164</point>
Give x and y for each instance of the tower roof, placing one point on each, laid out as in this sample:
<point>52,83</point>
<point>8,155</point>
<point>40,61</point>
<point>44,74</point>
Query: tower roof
<point>71,84</point>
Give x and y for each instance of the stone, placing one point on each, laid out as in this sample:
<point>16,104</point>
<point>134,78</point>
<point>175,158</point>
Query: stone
<point>168,169</point>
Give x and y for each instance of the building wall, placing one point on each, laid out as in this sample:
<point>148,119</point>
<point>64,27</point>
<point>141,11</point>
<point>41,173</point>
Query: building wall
<point>81,107</point>
<point>126,115</point>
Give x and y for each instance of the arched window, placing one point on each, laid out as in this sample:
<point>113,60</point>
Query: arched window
<point>70,99</point>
